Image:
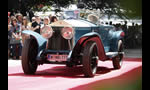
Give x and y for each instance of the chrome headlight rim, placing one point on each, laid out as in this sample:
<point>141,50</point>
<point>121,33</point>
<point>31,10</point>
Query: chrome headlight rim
<point>47,31</point>
<point>67,33</point>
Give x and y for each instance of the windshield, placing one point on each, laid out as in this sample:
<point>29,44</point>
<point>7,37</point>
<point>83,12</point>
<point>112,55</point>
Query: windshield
<point>71,14</point>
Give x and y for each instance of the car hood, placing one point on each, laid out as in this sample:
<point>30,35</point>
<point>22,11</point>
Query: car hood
<point>73,23</point>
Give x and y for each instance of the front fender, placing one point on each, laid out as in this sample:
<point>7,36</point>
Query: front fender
<point>93,36</point>
<point>40,40</point>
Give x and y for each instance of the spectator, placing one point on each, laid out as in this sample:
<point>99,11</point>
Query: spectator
<point>50,16</point>
<point>133,24</point>
<point>106,23</point>
<point>9,23</point>
<point>110,23</point>
<point>124,28</point>
<point>11,18</point>
<point>24,26</point>
<point>54,19</point>
<point>46,21</point>
<point>19,18</point>
<point>9,36</point>
<point>31,14</point>
<point>33,19</point>
<point>102,23</point>
<point>118,26</point>
<point>131,40</point>
<point>15,39</point>
<point>36,25</point>
<point>8,20</point>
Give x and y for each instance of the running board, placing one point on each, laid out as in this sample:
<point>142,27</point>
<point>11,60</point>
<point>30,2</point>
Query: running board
<point>113,54</point>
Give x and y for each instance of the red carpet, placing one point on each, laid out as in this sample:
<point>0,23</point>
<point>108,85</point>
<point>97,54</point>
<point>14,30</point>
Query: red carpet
<point>59,77</point>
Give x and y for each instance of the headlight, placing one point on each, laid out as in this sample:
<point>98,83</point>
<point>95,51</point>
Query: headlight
<point>47,32</point>
<point>67,32</point>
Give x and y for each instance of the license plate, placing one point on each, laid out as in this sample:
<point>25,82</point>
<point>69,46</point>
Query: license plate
<point>54,57</point>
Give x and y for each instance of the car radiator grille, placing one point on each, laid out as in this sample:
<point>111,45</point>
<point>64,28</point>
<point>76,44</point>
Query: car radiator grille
<point>57,42</point>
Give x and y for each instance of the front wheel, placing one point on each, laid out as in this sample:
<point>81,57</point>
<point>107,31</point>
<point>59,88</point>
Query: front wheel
<point>117,61</point>
<point>29,53</point>
<point>90,59</point>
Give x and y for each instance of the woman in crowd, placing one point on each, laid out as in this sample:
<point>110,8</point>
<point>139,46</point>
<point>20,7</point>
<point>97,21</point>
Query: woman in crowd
<point>15,39</point>
<point>45,22</point>
<point>19,18</point>
<point>9,36</point>
<point>54,19</point>
<point>25,26</point>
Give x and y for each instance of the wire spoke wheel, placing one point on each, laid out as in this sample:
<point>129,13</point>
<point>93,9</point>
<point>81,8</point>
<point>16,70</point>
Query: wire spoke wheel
<point>117,61</point>
<point>90,60</point>
<point>29,53</point>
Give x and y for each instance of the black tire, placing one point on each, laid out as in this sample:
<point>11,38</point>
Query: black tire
<point>29,53</point>
<point>117,61</point>
<point>89,59</point>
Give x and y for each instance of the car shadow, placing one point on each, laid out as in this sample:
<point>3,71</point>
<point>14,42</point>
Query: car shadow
<point>63,71</point>
<point>103,70</point>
